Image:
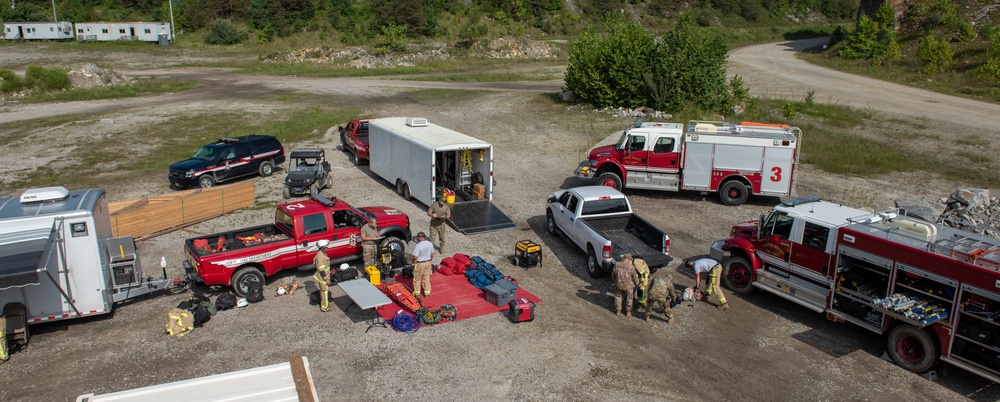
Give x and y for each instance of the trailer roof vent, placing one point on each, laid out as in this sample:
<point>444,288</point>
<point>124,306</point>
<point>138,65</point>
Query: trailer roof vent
<point>44,194</point>
<point>416,122</point>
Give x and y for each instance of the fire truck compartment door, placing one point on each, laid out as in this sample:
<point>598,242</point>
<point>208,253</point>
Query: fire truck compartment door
<point>777,174</point>
<point>697,165</point>
<point>23,257</point>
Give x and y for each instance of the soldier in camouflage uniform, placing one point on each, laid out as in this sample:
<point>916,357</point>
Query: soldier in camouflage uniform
<point>625,279</point>
<point>661,292</point>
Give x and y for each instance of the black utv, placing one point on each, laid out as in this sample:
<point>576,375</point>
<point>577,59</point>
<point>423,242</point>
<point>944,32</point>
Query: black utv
<point>308,172</point>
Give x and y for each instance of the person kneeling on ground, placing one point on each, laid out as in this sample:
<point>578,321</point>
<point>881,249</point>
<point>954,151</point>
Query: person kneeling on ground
<point>661,292</point>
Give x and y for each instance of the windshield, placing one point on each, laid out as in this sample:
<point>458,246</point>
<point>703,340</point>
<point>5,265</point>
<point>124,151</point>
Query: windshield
<point>598,207</point>
<point>207,153</point>
<point>621,141</point>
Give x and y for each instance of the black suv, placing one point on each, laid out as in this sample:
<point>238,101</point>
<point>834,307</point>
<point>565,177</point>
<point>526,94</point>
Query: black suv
<point>227,159</point>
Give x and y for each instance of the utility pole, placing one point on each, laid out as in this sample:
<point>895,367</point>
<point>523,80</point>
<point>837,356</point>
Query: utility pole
<point>173,36</point>
<point>55,17</point>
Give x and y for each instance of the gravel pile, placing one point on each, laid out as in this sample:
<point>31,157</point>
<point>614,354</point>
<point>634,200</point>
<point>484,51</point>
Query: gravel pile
<point>91,75</point>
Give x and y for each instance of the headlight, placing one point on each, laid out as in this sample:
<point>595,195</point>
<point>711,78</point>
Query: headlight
<point>189,174</point>
<point>593,162</point>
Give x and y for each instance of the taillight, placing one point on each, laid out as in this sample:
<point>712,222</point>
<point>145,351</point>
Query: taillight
<point>607,252</point>
<point>666,245</point>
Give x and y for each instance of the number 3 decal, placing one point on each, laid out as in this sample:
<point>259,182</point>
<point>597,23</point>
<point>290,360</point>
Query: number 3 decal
<point>776,177</point>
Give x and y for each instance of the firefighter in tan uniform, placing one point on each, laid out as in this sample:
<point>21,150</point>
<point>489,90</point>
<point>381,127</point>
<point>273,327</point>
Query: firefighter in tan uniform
<point>625,279</point>
<point>322,275</point>
<point>642,271</point>
<point>369,235</point>
<point>439,213</point>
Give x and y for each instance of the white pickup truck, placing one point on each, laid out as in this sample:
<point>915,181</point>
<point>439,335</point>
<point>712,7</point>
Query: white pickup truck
<point>600,218</point>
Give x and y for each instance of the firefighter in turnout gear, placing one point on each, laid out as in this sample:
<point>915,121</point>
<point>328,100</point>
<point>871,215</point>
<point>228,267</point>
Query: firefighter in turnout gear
<point>714,270</point>
<point>322,275</point>
<point>642,271</point>
<point>4,353</point>
<point>662,293</point>
<point>625,279</point>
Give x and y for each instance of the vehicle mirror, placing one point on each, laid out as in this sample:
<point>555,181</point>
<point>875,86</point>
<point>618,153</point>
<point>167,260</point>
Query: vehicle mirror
<point>551,199</point>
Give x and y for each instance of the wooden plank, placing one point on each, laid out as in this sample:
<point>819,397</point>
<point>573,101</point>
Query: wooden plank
<point>303,380</point>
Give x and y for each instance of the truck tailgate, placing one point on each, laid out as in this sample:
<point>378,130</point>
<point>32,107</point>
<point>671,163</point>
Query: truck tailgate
<point>625,242</point>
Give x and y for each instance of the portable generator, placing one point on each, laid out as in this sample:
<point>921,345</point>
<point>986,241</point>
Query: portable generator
<point>527,254</point>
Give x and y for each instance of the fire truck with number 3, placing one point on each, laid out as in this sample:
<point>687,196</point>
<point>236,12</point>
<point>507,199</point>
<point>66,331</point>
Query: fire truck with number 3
<point>932,290</point>
<point>733,159</point>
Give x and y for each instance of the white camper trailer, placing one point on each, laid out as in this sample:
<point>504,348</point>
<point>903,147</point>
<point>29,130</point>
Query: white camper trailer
<point>112,31</point>
<point>421,158</point>
<point>58,259</point>
<point>37,30</point>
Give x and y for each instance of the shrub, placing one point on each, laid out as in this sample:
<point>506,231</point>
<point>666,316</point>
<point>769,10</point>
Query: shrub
<point>966,32</point>
<point>223,32</point>
<point>46,79</point>
<point>936,55</point>
<point>990,71</point>
<point>788,110</point>
<point>391,39</point>
<point>10,82</point>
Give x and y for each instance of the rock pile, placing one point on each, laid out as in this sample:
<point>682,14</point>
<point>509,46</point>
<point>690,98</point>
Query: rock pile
<point>91,75</point>
<point>512,48</point>
<point>969,209</point>
<point>359,57</point>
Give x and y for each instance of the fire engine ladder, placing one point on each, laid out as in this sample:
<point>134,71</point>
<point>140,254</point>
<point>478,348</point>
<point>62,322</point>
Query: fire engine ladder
<point>971,250</point>
<point>466,178</point>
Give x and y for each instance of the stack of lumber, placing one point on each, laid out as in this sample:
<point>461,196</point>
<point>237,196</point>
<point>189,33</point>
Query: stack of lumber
<point>152,216</point>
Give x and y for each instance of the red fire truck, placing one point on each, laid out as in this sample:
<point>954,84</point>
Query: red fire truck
<point>734,159</point>
<point>934,291</point>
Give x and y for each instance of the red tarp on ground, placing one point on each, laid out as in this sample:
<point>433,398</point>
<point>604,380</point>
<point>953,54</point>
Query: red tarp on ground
<point>454,289</point>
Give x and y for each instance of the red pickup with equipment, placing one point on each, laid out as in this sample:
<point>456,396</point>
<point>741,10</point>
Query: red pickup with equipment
<point>932,290</point>
<point>247,255</point>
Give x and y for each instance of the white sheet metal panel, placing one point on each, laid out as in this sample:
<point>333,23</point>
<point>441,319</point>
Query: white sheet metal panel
<point>738,157</point>
<point>274,383</point>
<point>697,165</point>
<point>778,170</point>
<point>38,30</point>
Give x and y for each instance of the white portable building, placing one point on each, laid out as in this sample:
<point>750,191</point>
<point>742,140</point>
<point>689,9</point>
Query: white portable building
<point>38,30</point>
<point>112,31</point>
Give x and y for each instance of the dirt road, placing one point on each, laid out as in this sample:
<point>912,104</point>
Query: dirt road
<point>761,349</point>
<point>772,70</point>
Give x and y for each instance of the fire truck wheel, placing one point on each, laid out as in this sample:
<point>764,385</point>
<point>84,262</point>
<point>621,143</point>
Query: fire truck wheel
<point>243,278</point>
<point>206,181</point>
<point>266,168</point>
<point>593,264</point>
<point>611,180</point>
<point>550,224</point>
<point>394,243</point>
<point>733,193</point>
<point>912,348</point>
<point>737,274</point>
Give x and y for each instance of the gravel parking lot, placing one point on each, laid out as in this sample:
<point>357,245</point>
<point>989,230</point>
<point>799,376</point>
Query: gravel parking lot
<point>576,349</point>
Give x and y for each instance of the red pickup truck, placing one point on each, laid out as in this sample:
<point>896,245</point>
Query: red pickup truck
<point>247,255</point>
<point>354,140</point>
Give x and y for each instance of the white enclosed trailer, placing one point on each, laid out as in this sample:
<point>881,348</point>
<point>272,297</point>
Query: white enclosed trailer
<point>59,260</point>
<point>112,31</point>
<point>420,158</point>
<point>38,30</point>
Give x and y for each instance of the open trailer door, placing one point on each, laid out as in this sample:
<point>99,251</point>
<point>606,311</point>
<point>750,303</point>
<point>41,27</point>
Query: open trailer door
<point>478,216</point>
